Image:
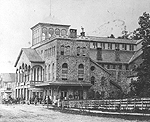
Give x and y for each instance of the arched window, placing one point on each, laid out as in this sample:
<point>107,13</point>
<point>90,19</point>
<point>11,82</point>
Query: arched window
<point>80,72</point>
<point>84,51</point>
<point>53,71</point>
<point>34,74</point>
<point>45,73</point>
<point>67,50</point>
<point>64,71</point>
<point>78,51</point>
<point>38,73</point>
<point>62,50</point>
<point>49,74</point>
<point>92,80</point>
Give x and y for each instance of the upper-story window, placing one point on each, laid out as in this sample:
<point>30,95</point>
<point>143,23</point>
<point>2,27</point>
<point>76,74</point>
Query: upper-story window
<point>67,50</point>
<point>95,44</point>
<point>103,45</point>
<point>78,51</point>
<point>80,72</point>
<point>109,45</point>
<point>53,71</point>
<point>49,71</point>
<point>116,46</point>
<point>124,47</point>
<point>64,71</point>
<point>62,50</point>
<point>45,72</point>
<point>92,80</point>
<point>44,31</point>
<point>84,51</point>
<point>57,31</point>
<point>51,32</point>
<point>131,47</point>
<point>63,32</point>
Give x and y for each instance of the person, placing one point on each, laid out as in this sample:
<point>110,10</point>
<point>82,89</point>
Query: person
<point>35,100</point>
<point>47,101</point>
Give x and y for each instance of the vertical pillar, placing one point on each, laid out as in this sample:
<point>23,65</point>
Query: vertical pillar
<point>26,94</point>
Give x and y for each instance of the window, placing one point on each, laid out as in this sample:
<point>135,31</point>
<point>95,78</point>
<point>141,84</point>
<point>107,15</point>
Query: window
<point>80,71</point>
<point>62,50</point>
<point>34,74</point>
<point>53,71</point>
<point>67,50</point>
<point>84,51</point>
<point>124,47</point>
<point>92,80</point>
<point>57,31</point>
<point>131,47</point>
<point>49,72</point>
<point>116,46</point>
<point>78,51</point>
<point>103,45</point>
<point>109,45</point>
<point>64,71</point>
<point>45,73</point>
<point>38,73</point>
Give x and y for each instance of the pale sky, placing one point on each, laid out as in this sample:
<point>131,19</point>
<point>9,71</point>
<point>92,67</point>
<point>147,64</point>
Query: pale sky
<point>98,17</point>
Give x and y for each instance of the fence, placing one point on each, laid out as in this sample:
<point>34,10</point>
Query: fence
<point>119,104</point>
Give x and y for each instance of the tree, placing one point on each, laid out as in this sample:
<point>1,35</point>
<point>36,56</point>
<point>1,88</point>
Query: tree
<point>142,86</point>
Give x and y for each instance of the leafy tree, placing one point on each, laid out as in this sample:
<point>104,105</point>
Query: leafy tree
<point>142,86</point>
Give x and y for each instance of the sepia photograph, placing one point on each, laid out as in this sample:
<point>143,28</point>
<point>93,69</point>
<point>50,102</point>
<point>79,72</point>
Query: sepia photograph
<point>74,60</point>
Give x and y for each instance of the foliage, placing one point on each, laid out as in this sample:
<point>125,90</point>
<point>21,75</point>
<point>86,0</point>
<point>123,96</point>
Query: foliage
<point>142,86</point>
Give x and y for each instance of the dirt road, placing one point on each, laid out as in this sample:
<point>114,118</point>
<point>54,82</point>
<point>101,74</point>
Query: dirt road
<point>31,113</point>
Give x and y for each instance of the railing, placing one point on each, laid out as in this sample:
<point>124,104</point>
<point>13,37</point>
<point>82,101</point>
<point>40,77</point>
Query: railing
<point>119,104</point>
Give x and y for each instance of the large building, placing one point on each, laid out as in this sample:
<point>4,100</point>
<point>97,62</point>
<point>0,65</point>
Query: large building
<point>62,64</point>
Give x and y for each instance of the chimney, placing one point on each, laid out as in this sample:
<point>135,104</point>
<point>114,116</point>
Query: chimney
<point>73,33</point>
<point>99,54</point>
<point>82,33</point>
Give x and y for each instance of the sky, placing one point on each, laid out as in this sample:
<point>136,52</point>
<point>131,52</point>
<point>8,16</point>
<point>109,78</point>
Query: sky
<point>98,17</point>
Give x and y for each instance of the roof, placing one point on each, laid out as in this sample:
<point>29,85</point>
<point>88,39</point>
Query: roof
<point>31,54</point>
<point>50,24</point>
<point>64,83</point>
<point>7,77</point>
<point>114,40</point>
<point>136,55</point>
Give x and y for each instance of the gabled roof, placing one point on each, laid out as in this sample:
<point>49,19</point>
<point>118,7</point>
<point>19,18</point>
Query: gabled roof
<point>7,77</point>
<point>100,66</point>
<point>114,40</point>
<point>31,54</point>
<point>136,55</point>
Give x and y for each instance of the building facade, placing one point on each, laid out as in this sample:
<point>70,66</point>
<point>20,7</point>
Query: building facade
<point>62,64</point>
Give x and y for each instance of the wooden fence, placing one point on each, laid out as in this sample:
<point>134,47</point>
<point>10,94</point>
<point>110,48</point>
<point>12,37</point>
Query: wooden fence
<point>119,104</point>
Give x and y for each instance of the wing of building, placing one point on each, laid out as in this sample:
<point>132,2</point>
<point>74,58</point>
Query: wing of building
<point>62,64</point>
